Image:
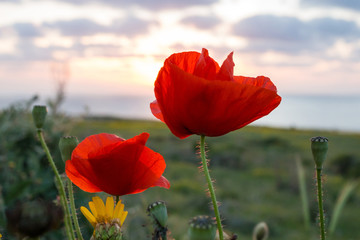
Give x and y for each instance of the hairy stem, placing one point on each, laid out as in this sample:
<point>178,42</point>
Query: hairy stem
<point>320,201</point>
<point>68,224</point>
<point>73,210</point>
<point>210,186</point>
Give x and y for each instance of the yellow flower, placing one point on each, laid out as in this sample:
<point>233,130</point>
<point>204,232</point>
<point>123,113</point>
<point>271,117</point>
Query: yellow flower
<point>104,214</point>
<point>0,235</point>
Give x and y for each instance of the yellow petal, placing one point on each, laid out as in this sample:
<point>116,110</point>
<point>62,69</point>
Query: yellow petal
<point>93,209</point>
<point>88,215</point>
<point>123,217</point>
<point>100,208</point>
<point>109,208</point>
<point>118,210</point>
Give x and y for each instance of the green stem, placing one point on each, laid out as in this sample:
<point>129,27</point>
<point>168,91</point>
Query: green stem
<point>320,201</point>
<point>210,186</point>
<point>69,228</point>
<point>73,210</point>
<point>164,234</point>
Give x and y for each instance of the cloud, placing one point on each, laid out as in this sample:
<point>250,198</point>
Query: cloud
<point>130,26</point>
<point>350,4</point>
<point>289,34</point>
<point>201,22</point>
<point>77,27</point>
<point>148,4</point>
<point>27,30</point>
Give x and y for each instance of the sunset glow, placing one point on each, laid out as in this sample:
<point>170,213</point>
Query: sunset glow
<point>118,47</point>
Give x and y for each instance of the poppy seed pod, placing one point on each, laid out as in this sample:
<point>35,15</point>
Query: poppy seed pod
<point>39,115</point>
<point>202,228</point>
<point>66,146</point>
<point>319,147</point>
<point>261,231</point>
<point>158,212</point>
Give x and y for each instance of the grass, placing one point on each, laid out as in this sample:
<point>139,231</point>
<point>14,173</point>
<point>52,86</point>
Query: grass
<point>256,179</point>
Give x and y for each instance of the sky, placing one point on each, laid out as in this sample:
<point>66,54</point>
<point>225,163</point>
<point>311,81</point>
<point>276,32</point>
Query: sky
<point>113,47</point>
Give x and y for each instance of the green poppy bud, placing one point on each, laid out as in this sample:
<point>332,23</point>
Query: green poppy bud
<point>261,231</point>
<point>158,212</point>
<point>202,228</point>
<point>107,231</point>
<point>39,115</point>
<point>66,146</point>
<point>319,147</point>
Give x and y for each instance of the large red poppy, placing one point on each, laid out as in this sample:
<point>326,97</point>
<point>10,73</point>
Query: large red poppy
<point>107,163</point>
<point>194,95</point>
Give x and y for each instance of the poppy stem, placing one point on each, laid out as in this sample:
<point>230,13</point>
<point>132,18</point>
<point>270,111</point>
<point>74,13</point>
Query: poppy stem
<point>73,210</point>
<point>210,186</point>
<point>320,201</point>
<point>67,219</point>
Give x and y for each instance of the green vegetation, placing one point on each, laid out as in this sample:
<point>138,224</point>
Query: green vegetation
<point>254,168</point>
<point>256,179</point>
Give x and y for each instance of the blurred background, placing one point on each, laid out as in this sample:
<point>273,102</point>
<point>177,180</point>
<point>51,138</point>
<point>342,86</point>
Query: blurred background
<point>94,63</point>
<point>108,53</point>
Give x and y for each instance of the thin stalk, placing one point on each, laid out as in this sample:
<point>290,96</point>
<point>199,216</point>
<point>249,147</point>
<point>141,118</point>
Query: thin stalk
<point>340,203</point>
<point>73,210</point>
<point>164,234</point>
<point>320,201</point>
<point>303,192</point>
<point>210,186</point>
<point>68,224</point>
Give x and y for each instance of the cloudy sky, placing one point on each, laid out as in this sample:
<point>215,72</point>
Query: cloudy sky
<point>113,47</point>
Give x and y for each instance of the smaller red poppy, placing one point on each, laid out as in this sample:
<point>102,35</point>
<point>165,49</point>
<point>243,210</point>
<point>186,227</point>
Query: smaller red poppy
<point>107,163</point>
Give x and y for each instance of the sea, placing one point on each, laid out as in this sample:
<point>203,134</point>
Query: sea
<point>336,113</point>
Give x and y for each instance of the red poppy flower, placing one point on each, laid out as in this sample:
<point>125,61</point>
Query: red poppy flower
<point>194,95</point>
<point>107,163</point>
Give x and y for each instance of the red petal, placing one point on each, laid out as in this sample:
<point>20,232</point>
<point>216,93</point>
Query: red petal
<point>95,143</point>
<point>162,182</point>
<point>149,169</point>
<point>186,60</point>
<point>78,179</point>
<point>260,81</point>
<point>118,168</point>
<point>226,71</point>
<point>206,67</point>
<point>193,105</point>
<point>155,109</point>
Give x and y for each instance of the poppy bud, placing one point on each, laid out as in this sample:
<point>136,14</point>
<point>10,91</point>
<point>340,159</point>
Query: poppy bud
<point>158,212</point>
<point>261,231</point>
<point>66,146</point>
<point>107,231</point>
<point>202,228</point>
<point>39,115</point>
<point>319,147</point>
